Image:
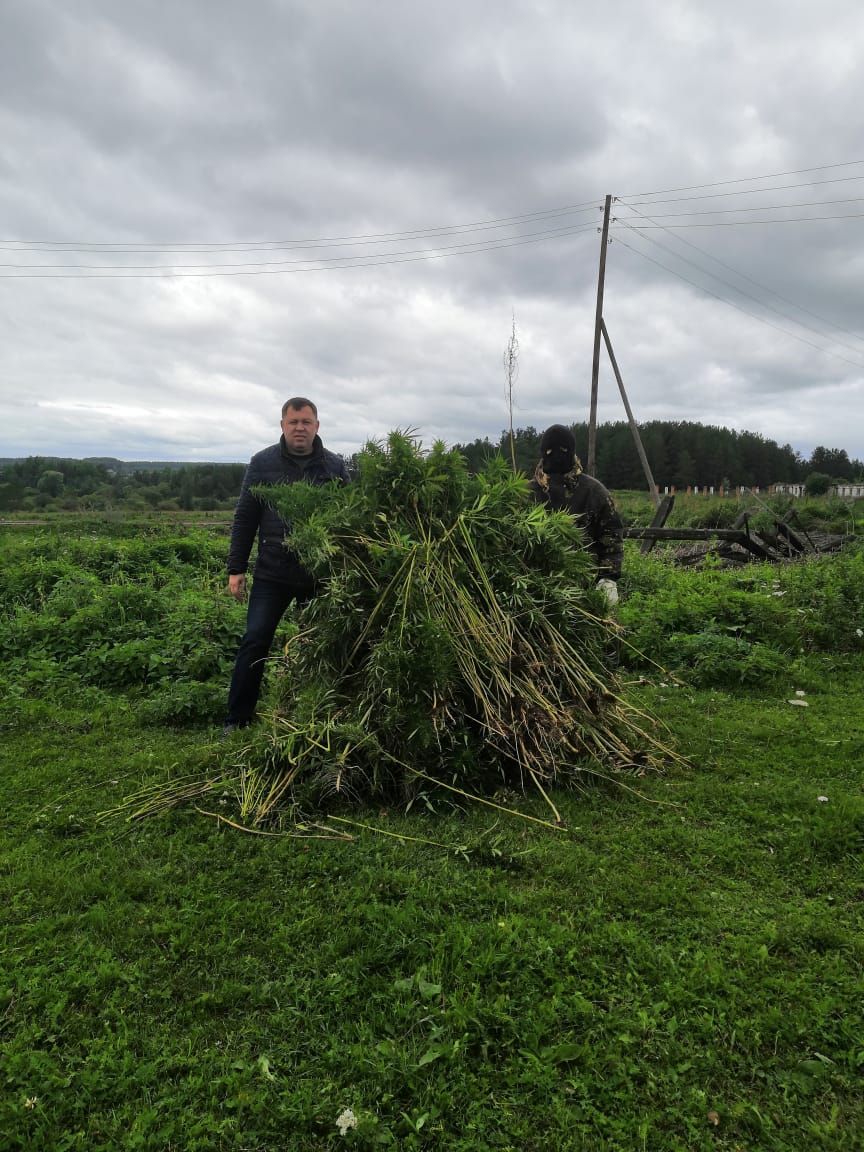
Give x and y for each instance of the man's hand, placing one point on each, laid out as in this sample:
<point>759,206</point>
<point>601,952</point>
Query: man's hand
<point>237,586</point>
<point>610,590</point>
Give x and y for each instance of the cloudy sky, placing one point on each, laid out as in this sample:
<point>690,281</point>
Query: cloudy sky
<point>209,206</point>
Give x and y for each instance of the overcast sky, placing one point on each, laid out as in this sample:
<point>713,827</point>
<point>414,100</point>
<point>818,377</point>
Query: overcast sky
<point>207,207</point>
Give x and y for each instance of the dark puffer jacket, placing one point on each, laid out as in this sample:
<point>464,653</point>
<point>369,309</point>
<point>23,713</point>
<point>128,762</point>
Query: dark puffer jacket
<point>593,509</point>
<point>274,465</point>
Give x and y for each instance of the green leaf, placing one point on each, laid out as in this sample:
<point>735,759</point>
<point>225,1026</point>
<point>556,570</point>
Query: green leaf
<point>435,1052</point>
<point>563,1053</point>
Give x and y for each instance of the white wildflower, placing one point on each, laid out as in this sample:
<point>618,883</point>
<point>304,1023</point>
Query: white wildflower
<point>799,703</point>
<point>31,1101</point>
<point>345,1121</point>
<point>798,692</point>
<point>858,632</point>
<point>822,799</point>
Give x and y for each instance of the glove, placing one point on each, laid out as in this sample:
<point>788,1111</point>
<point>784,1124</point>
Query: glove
<point>610,590</point>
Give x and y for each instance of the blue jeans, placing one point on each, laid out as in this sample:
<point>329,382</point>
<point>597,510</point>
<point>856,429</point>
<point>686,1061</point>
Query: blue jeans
<point>267,603</point>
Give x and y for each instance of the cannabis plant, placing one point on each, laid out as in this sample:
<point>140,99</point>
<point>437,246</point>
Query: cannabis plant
<point>456,637</point>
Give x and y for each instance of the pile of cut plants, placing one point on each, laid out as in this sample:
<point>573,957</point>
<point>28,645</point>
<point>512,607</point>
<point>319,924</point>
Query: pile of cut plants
<point>457,640</point>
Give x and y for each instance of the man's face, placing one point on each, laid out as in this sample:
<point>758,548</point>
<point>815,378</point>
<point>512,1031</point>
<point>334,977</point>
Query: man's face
<point>299,427</point>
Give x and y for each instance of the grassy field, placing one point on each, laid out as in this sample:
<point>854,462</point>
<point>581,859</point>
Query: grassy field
<point>681,967</point>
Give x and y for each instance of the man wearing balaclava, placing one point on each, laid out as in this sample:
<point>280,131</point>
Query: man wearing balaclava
<point>561,485</point>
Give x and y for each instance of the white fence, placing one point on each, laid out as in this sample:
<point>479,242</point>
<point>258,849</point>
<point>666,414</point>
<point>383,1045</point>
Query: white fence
<point>852,491</point>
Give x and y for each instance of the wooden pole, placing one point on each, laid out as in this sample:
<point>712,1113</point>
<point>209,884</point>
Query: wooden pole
<point>751,543</point>
<point>598,320</point>
<point>646,467</point>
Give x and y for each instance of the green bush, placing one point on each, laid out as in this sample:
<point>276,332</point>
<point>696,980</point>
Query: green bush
<point>719,658</point>
<point>181,703</point>
<point>817,484</point>
<point>143,611</point>
<point>715,514</point>
<point>140,615</point>
<point>830,515</point>
<point>692,621</point>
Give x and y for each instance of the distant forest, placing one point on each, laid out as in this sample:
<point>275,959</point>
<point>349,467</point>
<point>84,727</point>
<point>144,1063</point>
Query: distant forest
<point>682,454</point>
<point>46,483</point>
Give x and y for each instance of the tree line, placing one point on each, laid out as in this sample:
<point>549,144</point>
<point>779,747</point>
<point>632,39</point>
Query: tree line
<point>679,452</point>
<point>48,483</point>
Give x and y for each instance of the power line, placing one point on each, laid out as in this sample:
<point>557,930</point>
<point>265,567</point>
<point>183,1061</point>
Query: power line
<point>747,191</point>
<point>394,237</point>
<point>118,248</point>
<point>256,245</point>
<point>761,223</point>
<point>318,244</point>
<point>257,270</point>
<point>748,208</point>
<point>747,179</point>
<point>740,291</point>
<point>738,308</point>
<point>744,276</point>
<point>281,263</point>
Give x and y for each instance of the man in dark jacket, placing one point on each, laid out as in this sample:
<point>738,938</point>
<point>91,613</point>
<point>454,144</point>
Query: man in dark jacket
<point>279,577</point>
<point>561,485</point>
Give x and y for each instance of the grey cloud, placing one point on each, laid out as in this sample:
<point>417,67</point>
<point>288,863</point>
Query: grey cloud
<point>222,122</point>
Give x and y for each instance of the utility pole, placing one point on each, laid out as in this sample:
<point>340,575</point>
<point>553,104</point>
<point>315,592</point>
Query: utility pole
<point>634,428</point>
<point>598,321</point>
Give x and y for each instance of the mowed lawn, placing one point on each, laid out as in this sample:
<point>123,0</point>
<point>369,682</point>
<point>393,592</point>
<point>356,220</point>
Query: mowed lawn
<point>681,968</point>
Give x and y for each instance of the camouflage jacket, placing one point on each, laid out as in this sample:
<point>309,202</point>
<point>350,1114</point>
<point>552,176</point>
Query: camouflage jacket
<point>592,508</point>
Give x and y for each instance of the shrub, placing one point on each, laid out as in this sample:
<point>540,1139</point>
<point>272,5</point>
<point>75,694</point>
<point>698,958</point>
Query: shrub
<point>817,484</point>
<point>176,704</point>
<point>715,514</point>
<point>123,614</point>
<point>679,617</point>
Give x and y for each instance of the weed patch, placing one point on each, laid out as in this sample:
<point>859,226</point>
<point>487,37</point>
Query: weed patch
<point>679,970</point>
<point>745,627</point>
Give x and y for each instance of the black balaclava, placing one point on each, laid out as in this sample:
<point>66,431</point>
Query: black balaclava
<point>557,450</point>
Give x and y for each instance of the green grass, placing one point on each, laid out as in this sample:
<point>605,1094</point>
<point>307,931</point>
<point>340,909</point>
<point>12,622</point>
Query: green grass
<point>178,985</point>
<point>687,954</point>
